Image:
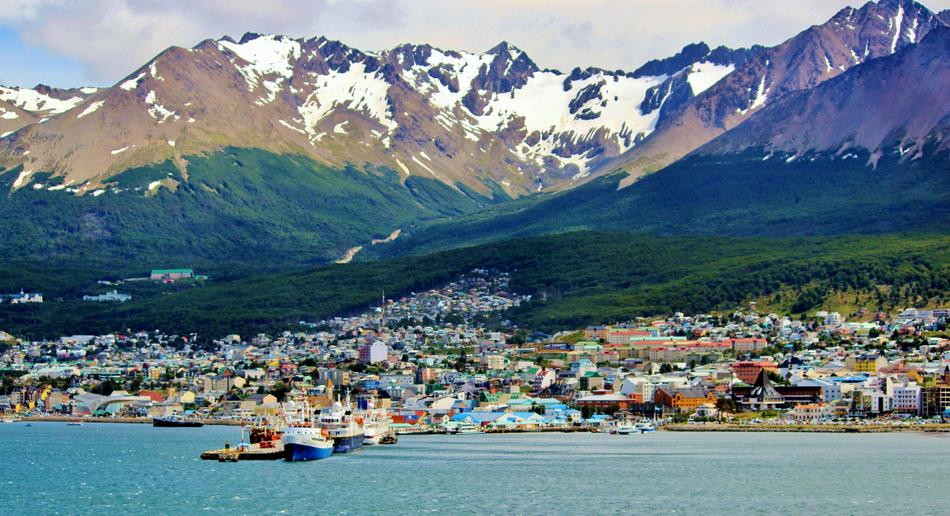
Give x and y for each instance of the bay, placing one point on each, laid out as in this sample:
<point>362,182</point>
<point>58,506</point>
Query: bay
<point>52,468</point>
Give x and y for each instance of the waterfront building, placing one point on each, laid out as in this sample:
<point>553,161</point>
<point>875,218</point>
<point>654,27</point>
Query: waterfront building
<point>936,396</point>
<point>682,399</point>
<point>605,402</point>
<point>765,396</point>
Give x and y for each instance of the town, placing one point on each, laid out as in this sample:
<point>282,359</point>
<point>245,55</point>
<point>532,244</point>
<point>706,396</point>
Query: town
<point>445,360</point>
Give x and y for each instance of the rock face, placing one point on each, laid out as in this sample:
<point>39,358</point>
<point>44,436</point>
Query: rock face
<point>910,93</point>
<point>491,122</point>
<point>822,52</point>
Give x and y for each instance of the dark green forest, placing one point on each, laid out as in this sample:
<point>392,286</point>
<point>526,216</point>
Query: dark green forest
<point>576,279</point>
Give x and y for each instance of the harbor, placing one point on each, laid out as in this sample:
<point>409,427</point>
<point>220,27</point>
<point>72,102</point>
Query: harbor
<point>108,467</point>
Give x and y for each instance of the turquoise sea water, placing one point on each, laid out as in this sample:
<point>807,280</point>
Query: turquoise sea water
<point>136,469</point>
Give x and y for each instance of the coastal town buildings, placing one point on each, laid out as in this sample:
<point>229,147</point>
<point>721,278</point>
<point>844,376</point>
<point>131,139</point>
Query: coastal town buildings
<point>447,355</point>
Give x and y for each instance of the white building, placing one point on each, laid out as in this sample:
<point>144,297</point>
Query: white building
<point>906,398</point>
<point>373,353</point>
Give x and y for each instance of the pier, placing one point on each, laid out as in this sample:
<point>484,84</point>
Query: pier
<point>253,452</point>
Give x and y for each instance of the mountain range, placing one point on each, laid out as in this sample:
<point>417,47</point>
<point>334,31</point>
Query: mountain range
<point>305,150</point>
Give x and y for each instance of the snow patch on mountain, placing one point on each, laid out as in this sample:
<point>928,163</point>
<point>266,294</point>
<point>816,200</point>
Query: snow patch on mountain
<point>270,61</point>
<point>132,83</point>
<point>703,75</point>
<point>156,110</point>
<point>355,89</point>
<point>92,108</point>
<point>36,102</point>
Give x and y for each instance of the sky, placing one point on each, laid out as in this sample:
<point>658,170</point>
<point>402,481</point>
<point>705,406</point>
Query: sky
<point>98,42</point>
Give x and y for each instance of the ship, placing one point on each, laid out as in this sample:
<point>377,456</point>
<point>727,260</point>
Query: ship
<point>176,422</point>
<point>301,438</point>
<point>343,426</point>
<point>376,425</point>
<point>306,443</point>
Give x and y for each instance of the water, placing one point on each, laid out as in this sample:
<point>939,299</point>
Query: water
<point>134,469</point>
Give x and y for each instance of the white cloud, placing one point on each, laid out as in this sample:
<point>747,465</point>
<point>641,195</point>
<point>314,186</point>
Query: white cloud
<point>113,37</point>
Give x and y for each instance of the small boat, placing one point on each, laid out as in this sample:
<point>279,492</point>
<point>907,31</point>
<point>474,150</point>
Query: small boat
<point>646,427</point>
<point>176,422</point>
<point>389,438</point>
<point>467,428</point>
<point>626,429</point>
<point>74,423</point>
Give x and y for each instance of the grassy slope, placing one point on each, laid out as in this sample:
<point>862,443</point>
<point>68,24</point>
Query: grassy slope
<point>239,209</point>
<point>737,196</point>
<point>577,278</point>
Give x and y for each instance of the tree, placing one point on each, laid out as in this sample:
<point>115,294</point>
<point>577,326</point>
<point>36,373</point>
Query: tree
<point>105,388</point>
<point>280,391</point>
<point>726,405</point>
<point>461,362</point>
<point>136,383</point>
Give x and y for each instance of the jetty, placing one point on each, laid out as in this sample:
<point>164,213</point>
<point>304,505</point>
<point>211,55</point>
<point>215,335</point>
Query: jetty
<point>252,452</point>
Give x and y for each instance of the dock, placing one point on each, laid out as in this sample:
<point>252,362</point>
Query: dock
<point>253,452</point>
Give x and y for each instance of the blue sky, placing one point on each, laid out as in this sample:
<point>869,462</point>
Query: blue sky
<point>98,42</point>
<point>25,65</point>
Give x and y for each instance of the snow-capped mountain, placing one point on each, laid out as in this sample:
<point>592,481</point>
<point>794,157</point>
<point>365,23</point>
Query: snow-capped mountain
<point>850,38</point>
<point>20,107</point>
<point>911,117</point>
<point>487,121</point>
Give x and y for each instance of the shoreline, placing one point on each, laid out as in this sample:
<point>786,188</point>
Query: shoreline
<point>110,420</point>
<point>824,429</point>
<point>678,427</point>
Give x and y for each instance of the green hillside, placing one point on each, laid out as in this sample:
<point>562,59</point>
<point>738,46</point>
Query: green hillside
<point>239,209</point>
<point>743,195</point>
<point>576,278</point>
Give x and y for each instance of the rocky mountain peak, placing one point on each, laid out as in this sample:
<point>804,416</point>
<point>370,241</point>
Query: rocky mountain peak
<point>690,54</point>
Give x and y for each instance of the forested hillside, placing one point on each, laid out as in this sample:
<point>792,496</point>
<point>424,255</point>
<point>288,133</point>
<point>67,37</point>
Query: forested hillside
<point>575,278</point>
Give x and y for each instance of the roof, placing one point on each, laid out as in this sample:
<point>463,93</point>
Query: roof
<point>172,271</point>
<point>605,397</point>
<point>763,389</point>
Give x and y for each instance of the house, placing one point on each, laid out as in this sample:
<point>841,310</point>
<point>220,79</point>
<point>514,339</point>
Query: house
<point>494,362</point>
<point>707,411</point>
<point>22,297</point>
<point>866,362</point>
<point>518,420</point>
<point>481,419</point>
<point>171,274</point>
<point>543,379</point>
<point>113,296</point>
<point>811,411</point>
<point>605,402</point>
